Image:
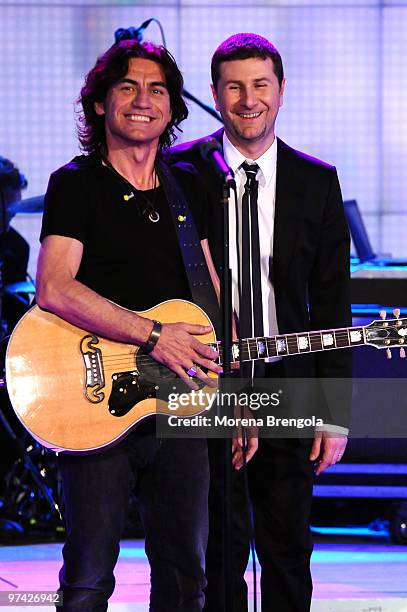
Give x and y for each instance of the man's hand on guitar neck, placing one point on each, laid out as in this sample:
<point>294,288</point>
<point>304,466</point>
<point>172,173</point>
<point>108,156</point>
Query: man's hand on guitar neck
<point>178,350</point>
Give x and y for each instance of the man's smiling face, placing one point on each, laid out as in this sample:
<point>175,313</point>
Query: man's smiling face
<point>248,96</point>
<point>137,108</point>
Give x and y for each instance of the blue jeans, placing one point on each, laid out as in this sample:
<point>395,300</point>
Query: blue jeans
<point>171,480</point>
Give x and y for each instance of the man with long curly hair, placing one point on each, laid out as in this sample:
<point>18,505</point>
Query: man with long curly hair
<point>109,248</point>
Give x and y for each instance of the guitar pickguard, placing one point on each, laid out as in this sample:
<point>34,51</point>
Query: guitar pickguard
<point>127,391</point>
<point>130,388</point>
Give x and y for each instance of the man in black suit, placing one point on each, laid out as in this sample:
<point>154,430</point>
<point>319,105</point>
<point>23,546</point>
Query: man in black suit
<point>304,261</point>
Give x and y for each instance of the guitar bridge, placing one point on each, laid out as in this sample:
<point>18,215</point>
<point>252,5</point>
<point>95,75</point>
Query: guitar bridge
<point>94,377</point>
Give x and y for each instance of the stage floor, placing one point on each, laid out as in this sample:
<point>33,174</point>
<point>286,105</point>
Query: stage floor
<point>356,576</point>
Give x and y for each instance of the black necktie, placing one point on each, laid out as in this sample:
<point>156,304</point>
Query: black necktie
<point>251,308</point>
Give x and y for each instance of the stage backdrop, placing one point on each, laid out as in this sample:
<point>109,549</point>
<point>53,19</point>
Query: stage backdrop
<point>345,95</point>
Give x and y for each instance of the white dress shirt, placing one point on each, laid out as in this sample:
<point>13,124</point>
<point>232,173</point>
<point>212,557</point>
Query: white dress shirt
<point>266,176</point>
<point>266,198</point>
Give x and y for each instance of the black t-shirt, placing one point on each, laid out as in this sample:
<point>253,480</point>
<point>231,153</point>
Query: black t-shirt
<point>126,258</point>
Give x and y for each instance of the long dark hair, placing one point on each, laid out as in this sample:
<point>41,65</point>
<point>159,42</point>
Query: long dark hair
<point>108,70</point>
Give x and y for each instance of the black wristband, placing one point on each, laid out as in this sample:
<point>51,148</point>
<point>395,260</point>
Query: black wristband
<point>152,340</point>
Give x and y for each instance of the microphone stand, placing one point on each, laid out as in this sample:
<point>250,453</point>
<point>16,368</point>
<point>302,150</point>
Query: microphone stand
<point>226,330</point>
<point>211,111</point>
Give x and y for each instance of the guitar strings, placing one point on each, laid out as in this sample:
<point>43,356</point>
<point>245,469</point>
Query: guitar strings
<point>121,361</point>
<point>250,343</point>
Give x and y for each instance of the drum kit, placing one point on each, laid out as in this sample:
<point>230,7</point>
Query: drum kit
<point>29,205</point>
<point>23,288</point>
<point>30,488</point>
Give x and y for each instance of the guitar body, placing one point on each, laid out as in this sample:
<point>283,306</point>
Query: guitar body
<point>75,391</point>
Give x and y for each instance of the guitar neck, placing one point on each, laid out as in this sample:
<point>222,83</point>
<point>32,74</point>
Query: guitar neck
<point>283,345</point>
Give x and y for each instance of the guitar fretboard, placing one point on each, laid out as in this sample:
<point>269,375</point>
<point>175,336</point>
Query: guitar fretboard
<point>293,344</point>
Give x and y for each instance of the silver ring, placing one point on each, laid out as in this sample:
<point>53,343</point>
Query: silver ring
<point>192,371</point>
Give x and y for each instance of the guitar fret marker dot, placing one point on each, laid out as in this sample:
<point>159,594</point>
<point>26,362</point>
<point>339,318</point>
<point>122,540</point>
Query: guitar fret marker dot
<point>355,336</point>
<point>302,343</point>
<point>328,339</point>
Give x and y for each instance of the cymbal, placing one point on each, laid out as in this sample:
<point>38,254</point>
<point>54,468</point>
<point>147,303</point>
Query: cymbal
<point>21,287</point>
<point>29,205</point>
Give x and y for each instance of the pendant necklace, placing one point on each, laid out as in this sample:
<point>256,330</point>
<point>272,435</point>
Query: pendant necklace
<point>149,209</point>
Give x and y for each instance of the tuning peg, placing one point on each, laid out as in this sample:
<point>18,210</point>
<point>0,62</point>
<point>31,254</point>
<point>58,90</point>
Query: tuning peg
<point>383,314</point>
<point>388,353</point>
<point>402,353</point>
<point>396,312</point>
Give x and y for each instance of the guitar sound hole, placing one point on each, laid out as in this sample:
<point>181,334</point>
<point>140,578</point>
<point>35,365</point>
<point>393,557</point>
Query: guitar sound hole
<point>152,372</point>
<point>129,388</point>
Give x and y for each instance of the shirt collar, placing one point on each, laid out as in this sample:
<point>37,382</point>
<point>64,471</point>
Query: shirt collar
<point>266,162</point>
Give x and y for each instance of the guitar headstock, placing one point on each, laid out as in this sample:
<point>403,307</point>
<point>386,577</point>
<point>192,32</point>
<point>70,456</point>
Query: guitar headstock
<point>388,333</point>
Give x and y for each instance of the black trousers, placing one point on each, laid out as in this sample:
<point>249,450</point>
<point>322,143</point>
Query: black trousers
<point>280,485</point>
<point>171,477</point>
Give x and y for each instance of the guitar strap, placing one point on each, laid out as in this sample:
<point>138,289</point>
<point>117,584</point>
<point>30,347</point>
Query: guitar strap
<point>199,280</point>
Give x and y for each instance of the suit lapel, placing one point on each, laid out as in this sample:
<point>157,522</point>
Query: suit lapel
<point>288,216</point>
<point>211,178</point>
<point>214,185</point>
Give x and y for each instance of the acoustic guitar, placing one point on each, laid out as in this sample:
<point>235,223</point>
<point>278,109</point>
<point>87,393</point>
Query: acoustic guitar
<point>76,391</point>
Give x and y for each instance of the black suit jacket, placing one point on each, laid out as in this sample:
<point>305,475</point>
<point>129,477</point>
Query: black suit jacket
<point>310,261</point>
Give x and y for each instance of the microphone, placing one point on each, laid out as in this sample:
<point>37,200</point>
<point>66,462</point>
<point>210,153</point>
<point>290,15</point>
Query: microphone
<point>211,151</point>
<point>131,32</point>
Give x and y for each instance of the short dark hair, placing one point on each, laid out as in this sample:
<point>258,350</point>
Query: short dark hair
<point>10,175</point>
<point>108,70</point>
<point>244,46</point>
